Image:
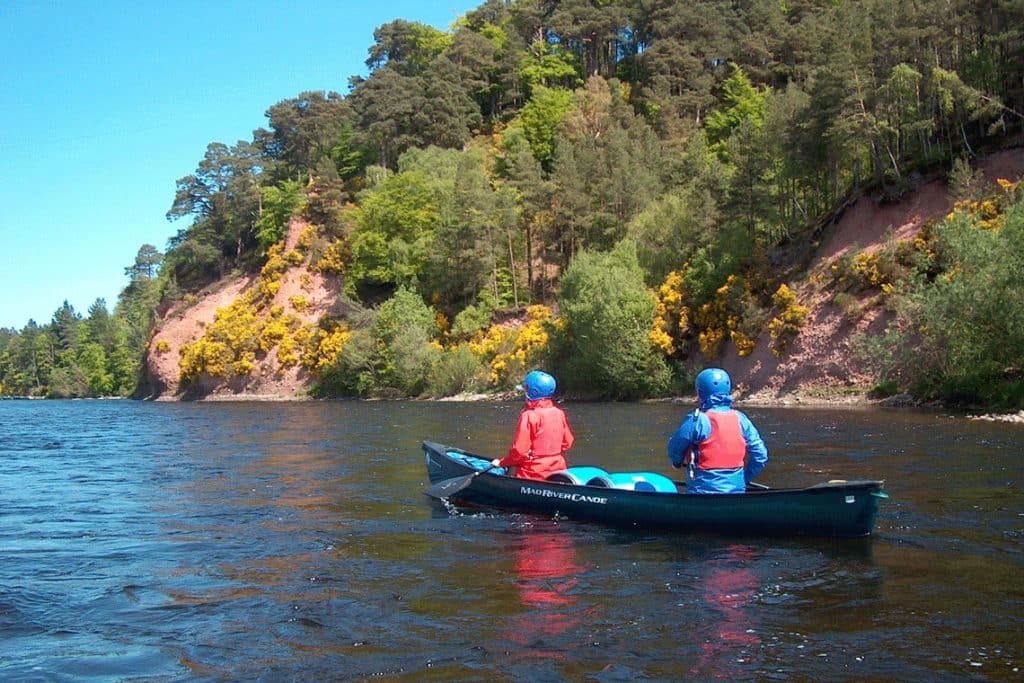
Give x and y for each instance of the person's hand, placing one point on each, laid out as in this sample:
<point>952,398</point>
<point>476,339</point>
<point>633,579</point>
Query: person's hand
<point>496,463</point>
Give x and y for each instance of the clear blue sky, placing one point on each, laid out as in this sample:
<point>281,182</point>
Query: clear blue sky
<point>105,104</point>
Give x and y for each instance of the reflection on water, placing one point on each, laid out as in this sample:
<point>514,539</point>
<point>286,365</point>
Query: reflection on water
<point>253,541</point>
<point>728,589</point>
<point>546,570</point>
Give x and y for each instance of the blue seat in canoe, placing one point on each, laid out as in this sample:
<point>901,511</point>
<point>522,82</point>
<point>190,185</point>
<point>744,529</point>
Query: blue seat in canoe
<point>577,475</point>
<point>636,481</point>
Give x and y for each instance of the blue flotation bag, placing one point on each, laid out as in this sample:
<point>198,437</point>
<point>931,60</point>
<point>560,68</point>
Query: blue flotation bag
<point>636,481</point>
<point>577,475</point>
<point>475,463</point>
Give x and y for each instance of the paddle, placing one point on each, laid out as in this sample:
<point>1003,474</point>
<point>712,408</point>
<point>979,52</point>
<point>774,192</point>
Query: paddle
<point>449,487</point>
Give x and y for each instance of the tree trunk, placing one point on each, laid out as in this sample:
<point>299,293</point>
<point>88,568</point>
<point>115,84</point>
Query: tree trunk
<point>529,255</point>
<point>512,267</point>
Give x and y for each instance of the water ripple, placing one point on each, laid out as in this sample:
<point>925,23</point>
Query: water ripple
<point>240,541</point>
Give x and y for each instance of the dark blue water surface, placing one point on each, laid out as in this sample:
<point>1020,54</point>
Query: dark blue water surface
<point>292,541</point>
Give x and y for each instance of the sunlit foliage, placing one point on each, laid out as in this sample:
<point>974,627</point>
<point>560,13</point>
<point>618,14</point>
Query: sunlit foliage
<point>785,326</point>
<point>495,165</point>
<point>604,347</point>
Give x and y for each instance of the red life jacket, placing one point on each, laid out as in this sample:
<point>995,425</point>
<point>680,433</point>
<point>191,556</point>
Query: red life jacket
<point>725,448</point>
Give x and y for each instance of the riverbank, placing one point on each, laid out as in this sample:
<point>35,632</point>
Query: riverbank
<point>806,398</point>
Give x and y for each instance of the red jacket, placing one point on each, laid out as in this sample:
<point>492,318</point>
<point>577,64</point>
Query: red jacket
<point>542,436</point>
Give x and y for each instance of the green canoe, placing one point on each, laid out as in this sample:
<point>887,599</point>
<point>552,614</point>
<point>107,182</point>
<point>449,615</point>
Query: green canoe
<point>647,500</point>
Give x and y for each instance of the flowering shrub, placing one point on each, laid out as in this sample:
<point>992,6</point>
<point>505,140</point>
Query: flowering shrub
<point>272,272</point>
<point>726,316</point>
<point>671,315</point>
<point>509,351</point>
<point>989,214</point>
<point>294,257</point>
<point>324,346</point>
<point>332,260</point>
<point>743,342</point>
<point>306,238</point>
<point>291,346</point>
<point>277,328</point>
<point>786,326</point>
<point>205,355</point>
<point>228,345</point>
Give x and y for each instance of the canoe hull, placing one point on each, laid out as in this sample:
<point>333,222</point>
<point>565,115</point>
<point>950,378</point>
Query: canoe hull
<point>834,509</point>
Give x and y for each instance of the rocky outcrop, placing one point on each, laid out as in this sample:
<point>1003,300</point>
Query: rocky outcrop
<point>186,321</point>
<point>820,362</point>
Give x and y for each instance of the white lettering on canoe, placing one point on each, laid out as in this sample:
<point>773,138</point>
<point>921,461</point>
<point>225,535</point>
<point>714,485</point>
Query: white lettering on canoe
<point>575,497</point>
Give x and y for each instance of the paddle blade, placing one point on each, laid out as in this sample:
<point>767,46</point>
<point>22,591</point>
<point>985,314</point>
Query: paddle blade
<point>449,487</point>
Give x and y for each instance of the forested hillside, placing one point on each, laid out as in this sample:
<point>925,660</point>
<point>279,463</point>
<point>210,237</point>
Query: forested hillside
<point>619,191</point>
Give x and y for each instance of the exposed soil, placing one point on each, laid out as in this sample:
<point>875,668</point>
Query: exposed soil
<point>185,323</point>
<point>818,368</point>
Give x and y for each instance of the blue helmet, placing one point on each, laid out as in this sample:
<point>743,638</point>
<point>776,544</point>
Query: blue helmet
<point>538,385</point>
<point>713,382</point>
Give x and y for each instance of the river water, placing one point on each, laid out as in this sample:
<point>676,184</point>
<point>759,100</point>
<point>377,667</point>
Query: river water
<point>292,541</point>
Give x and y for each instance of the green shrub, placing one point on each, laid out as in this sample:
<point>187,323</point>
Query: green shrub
<point>962,331</point>
<point>604,347</point>
<point>401,352</point>
<point>455,371</point>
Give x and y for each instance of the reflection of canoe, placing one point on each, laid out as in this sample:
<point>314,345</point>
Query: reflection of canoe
<point>833,509</point>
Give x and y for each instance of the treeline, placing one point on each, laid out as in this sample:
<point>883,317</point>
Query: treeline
<point>78,357</point>
<point>636,170</point>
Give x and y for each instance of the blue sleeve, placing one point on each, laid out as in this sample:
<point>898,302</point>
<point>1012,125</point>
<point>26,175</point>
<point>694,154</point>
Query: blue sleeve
<point>691,431</point>
<point>757,452</point>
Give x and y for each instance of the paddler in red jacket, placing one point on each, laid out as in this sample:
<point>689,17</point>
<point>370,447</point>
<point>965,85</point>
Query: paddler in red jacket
<point>542,435</point>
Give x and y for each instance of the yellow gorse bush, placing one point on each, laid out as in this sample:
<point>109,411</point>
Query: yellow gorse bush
<point>228,345</point>
<point>744,344</point>
<point>205,356</point>
<point>715,321</point>
<point>671,316</point>
<point>333,258</point>
<point>246,329</point>
<point>721,318</point>
<point>866,267</point>
<point>487,344</point>
<point>508,351</point>
<point>306,238</point>
<point>989,214</point>
<point>786,326</point>
<point>291,347</point>
<point>660,339</point>
<point>277,327</point>
<point>710,340</point>
<point>323,348</point>
<point>275,264</point>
